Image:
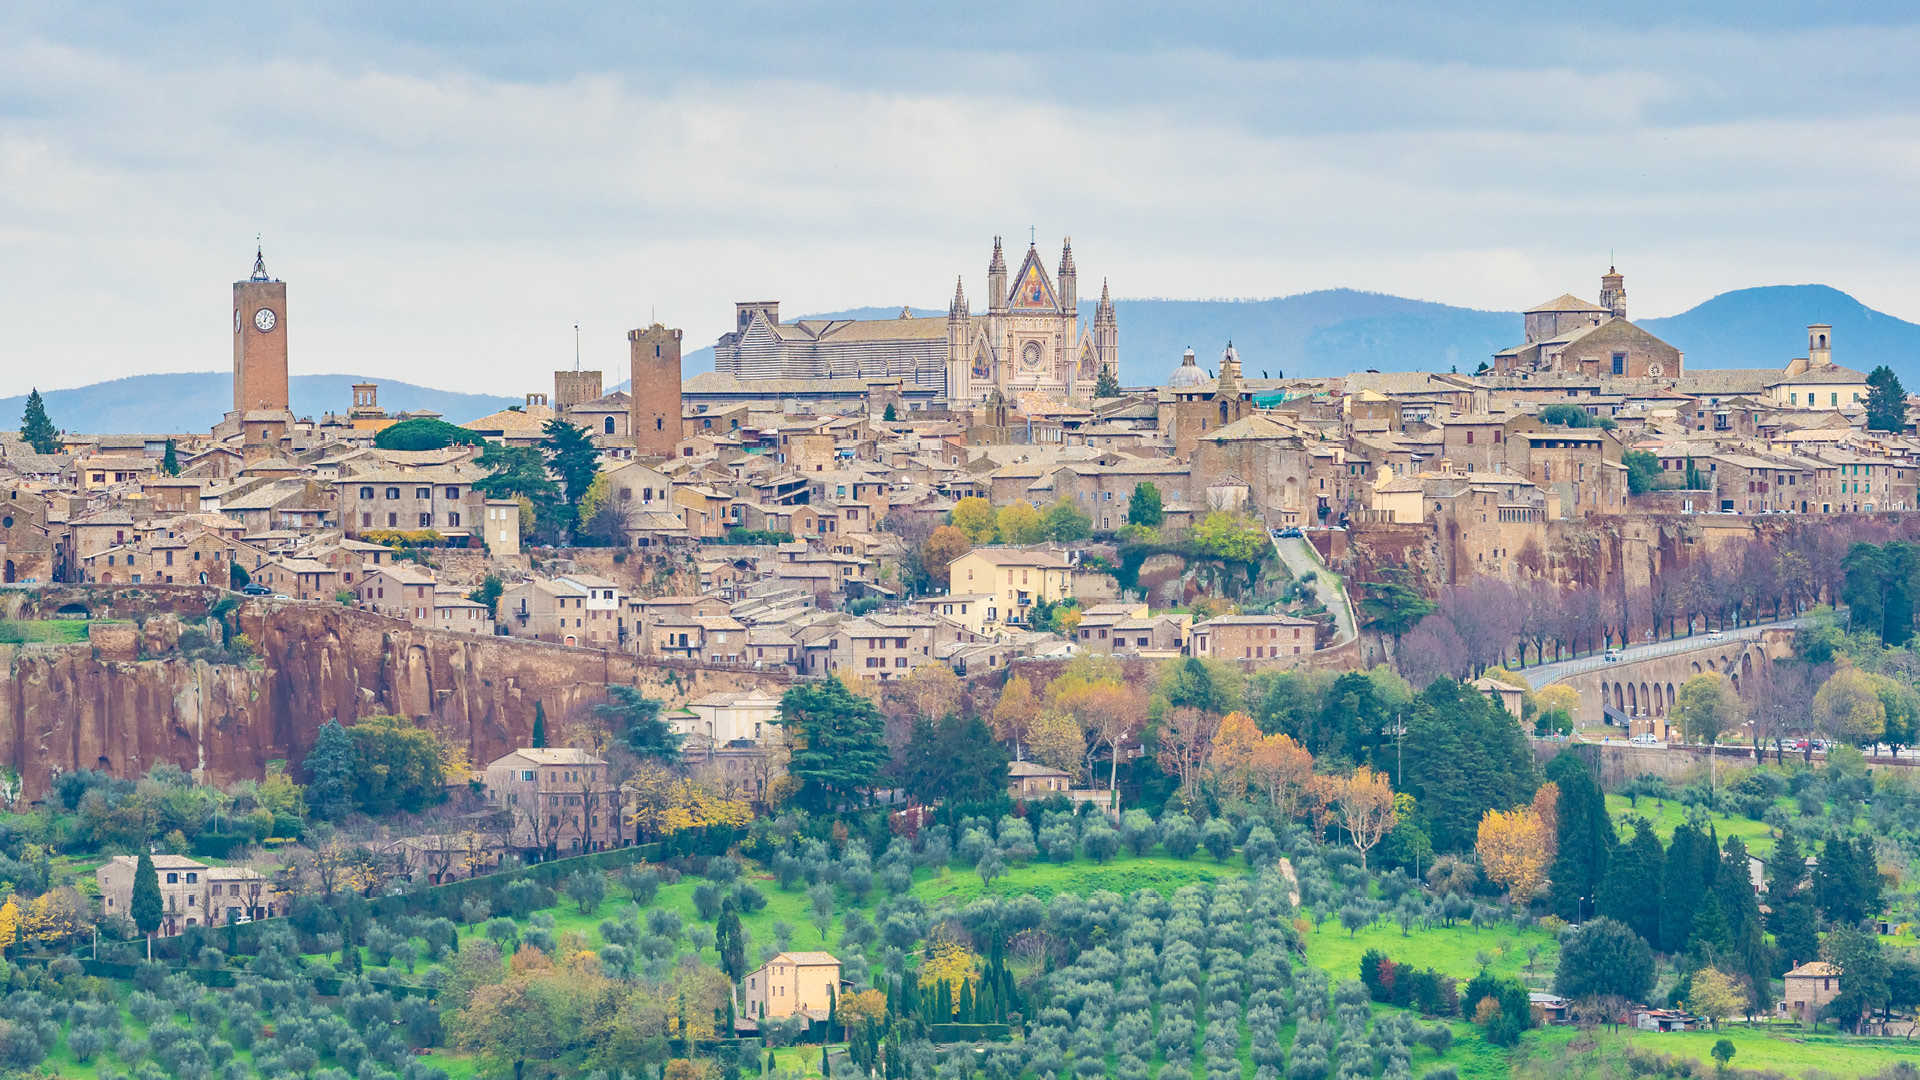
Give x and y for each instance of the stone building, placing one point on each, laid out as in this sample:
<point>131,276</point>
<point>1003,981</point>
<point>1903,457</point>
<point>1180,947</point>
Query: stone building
<point>1257,640</point>
<point>1567,334</point>
<point>559,799</point>
<point>793,983</point>
<point>1809,988</point>
<point>259,342</point>
<point>192,893</point>
<point>654,390</point>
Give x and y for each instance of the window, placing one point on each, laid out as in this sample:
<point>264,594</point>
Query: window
<point>366,493</point>
<point>608,425</point>
<point>393,493</point>
<point>173,879</point>
<point>1619,363</point>
<point>193,879</point>
<point>453,493</point>
<point>426,520</point>
<point>453,519</point>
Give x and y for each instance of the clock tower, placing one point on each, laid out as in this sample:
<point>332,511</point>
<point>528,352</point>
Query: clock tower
<point>259,341</point>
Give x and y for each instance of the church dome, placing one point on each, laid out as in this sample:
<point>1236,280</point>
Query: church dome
<point>1188,373</point>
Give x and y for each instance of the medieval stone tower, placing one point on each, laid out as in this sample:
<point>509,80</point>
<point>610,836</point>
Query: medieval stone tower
<point>259,341</point>
<point>1613,293</point>
<point>654,412</point>
<point>572,388</point>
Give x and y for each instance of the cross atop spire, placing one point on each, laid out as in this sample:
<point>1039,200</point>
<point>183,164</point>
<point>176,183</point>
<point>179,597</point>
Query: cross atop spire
<point>259,263</point>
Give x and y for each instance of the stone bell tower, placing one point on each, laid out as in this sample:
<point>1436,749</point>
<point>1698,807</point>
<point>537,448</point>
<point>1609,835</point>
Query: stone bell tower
<point>259,341</point>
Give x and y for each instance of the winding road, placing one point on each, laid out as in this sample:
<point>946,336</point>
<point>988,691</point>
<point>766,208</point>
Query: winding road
<point>1300,558</point>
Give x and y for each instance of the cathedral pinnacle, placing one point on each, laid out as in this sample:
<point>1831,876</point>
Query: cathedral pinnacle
<point>959,298</point>
<point>1066,257</point>
<point>259,265</point>
<point>999,264</point>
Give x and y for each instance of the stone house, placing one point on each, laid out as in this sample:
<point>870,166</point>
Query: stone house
<point>1031,780</point>
<point>1014,579</point>
<point>559,799</point>
<point>803,983</point>
<point>192,893</point>
<point>1255,640</point>
<point>1809,988</point>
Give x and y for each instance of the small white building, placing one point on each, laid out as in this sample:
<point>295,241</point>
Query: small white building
<point>728,717</point>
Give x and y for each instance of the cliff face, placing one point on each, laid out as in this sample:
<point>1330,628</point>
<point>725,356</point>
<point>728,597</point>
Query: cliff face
<point>71,707</point>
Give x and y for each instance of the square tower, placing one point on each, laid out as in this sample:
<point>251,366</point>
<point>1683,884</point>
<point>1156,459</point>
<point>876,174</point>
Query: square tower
<point>654,394</point>
<point>259,341</point>
<point>572,388</point>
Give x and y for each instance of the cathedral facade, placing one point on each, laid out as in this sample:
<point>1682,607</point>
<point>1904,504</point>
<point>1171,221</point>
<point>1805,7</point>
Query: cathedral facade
<point>1029,339</point>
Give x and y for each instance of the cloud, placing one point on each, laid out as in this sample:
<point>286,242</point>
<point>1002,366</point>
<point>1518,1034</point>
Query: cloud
<point>448,198</point>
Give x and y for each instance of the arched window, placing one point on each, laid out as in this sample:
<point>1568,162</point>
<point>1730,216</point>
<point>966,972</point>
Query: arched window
<point>609,425</point>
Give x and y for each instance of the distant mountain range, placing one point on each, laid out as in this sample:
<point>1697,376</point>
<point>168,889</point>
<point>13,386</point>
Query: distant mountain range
<point>186,401</point>
<point>1318,333</point>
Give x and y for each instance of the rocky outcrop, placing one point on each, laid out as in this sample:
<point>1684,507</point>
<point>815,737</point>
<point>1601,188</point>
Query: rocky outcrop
<point>71,707</point>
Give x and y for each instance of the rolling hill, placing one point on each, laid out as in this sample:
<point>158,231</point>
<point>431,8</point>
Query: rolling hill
<point>196,400</point>
<point>1317,333</point>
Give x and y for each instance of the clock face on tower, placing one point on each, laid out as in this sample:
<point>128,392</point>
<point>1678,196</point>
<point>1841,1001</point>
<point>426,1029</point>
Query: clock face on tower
<point>236,320</point>
<point>263,320</point>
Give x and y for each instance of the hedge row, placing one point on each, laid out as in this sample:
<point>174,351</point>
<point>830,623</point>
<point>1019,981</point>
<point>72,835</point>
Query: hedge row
<point>227,978</point>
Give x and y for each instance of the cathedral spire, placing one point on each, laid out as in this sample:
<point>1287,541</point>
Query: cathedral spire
<point>999,263</point>
<point>959,305</point>
<point>1066,257</point>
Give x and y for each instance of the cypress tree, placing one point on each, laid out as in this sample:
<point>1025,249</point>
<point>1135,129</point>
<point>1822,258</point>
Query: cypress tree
<point>170,464</point>
<point>967,1004</point>
<point>146,895</point>
<point>1636,873</point>
<point>539,725</point>
<point>1586,837</point>
<point>35,429</point>
<point>1680,893</point>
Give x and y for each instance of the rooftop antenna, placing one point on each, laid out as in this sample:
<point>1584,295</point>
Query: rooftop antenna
<point>576,346</point>
<point>1030,238</point>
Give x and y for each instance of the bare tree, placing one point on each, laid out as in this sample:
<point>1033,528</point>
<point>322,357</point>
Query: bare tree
<point>1186,741</point>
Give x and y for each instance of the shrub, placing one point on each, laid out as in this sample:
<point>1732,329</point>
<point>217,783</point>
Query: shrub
<point>706,901</point>
<point>1217,837</point>
<point>1179,835</point>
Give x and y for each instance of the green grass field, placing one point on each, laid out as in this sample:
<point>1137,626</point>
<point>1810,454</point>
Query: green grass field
<point>1450,950</point>
<point>1665,816</point>
<point>1788,1049</point>
<point>44,631</point>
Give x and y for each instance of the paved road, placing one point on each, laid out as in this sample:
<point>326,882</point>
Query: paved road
<point>1540,676</point>
<point>1300,559</point>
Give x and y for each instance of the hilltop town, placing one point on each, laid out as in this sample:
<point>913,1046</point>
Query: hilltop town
<point>906,602</point>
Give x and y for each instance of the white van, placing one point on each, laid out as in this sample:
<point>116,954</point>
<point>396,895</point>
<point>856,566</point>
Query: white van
<point>1613,655</point>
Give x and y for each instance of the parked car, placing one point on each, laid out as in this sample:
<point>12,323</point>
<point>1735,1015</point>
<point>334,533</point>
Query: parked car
<point>281,596</point>
<point>1288,534</point>
<point>256,590</point>
<point>1645,738</point>
<point>1716,636</point>
<point>1612,656</point>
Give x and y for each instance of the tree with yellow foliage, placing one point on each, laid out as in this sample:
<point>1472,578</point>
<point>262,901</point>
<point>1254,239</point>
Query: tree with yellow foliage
<point>1020,523</point>
<point>1367,809</point>
<point>974,517</point>
<point>1057,739</point>
<point>941,548</point>
<point>1235,745</point>
<point>1513,850</point>
<point>1014,714</point>
<point>1546,810</point>
<point>661,802</point>
<point>1558,698</point>
<point>9,924</point>
<point>951,963</point>
<point>1283,768</point>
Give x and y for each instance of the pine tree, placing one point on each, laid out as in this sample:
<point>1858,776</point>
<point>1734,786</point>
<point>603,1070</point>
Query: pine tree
<point>1636,874</point>
<point>1680,892</point>
<point>330,771</point>
<point>35,429</point>
<point>1586,837</point>
<point>1107,385</point>
<point>146,899</point>
<point>1712,941</point>
<point>1886,401</point>
<point>891,415</point>
<point>539,725</point>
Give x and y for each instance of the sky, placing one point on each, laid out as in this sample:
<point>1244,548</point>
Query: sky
<point>449,189</point>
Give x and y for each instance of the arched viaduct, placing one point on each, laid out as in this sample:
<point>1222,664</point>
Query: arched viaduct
<point>1639,694</point>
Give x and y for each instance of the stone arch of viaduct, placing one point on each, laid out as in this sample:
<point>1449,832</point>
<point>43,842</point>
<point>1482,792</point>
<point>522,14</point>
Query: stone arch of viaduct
<point>1641,693</point>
